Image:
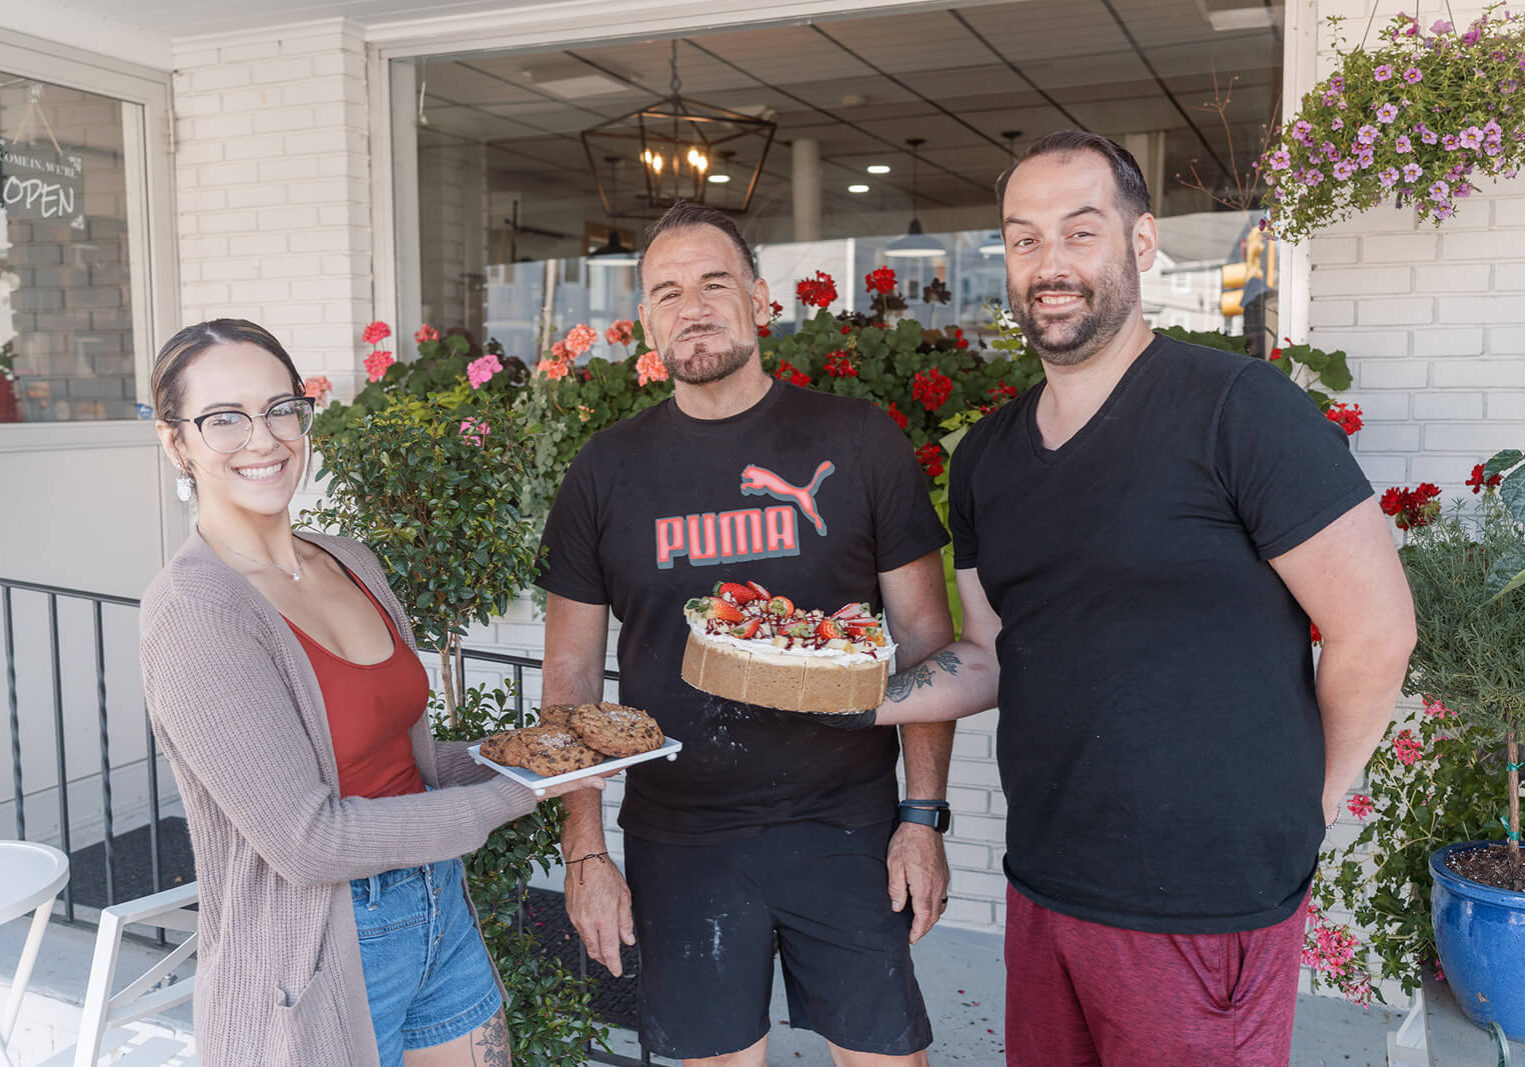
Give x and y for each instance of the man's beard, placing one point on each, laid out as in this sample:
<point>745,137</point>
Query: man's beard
<point>1109,306</point>
<point>705,365</point>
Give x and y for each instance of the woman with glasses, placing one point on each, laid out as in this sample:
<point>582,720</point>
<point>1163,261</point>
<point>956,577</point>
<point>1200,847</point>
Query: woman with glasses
<point>285,689</point>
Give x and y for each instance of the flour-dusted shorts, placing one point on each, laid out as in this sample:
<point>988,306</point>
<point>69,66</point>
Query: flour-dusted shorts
<point>1079,993</point>
<point>427,974</point>
<point>706,919</point>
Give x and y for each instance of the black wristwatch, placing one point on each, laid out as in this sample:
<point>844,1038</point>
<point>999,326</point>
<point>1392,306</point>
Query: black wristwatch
<point>933,813</point>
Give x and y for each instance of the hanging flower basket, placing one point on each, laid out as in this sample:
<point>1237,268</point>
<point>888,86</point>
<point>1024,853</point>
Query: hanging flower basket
<point>1411,121</point>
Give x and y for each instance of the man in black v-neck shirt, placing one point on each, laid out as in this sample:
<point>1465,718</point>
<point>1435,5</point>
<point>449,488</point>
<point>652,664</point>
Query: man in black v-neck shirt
<point>1141,542</point>
<point>770,827</point>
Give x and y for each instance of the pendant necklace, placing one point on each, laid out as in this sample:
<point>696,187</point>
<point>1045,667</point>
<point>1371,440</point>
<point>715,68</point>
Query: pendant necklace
<point>295,576</point>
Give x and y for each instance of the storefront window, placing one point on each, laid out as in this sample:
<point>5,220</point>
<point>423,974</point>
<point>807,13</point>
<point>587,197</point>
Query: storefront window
<point>66,314</point>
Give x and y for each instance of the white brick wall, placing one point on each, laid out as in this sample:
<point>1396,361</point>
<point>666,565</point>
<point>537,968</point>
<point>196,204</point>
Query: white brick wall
<point>273,196</point>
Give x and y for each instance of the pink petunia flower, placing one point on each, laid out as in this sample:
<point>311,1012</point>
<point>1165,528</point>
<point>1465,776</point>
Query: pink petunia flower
<point>1367,134</point>
<point>1412,172</point>
<point>1383,73</point>
<point>1402,145</point>
<point>1440,192</point>
<point>1312,176</point>
<point>1388,178</point>
<point>1387,113</point>
<point>1281,160</point>
<point>1413,75</point>
<point>1344,169</point>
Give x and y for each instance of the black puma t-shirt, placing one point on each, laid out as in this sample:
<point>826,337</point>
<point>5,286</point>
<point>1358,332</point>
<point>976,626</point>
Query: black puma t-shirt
<point>809,494</point>
<point>1159,741</point>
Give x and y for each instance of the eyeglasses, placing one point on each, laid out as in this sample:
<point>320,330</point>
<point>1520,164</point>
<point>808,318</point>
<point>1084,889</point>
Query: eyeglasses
<point>229,431</point>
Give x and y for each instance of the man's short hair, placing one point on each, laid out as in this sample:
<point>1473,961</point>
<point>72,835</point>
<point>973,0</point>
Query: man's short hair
<point>685,214</point>
<point>1132,190</point>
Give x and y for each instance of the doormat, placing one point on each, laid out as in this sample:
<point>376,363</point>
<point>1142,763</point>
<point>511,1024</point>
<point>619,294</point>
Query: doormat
<point>132,865</point>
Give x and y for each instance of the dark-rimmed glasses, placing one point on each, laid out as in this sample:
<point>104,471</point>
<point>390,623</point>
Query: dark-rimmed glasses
<point>229,431</point>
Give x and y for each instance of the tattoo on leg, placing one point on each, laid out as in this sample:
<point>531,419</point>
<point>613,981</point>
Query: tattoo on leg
<point>899,686</point>
<point>948,661</point>
<point>494,1043</point>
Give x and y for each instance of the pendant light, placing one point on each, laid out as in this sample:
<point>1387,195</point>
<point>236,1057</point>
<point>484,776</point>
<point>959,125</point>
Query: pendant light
<point>915,244</point>
<point>613,253</point>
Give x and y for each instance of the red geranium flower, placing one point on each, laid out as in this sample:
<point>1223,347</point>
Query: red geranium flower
<point>1479,483</point>
<point>818,292</point>
<point>880,281</point>
<point>1346,416</point>
<point>791,374</point>
<point>1360,805</point>
<point>931,458</point>
<point>1407,748</point>
<point>932,388</point>
<point>1411,508</point>
<point>839,364</point>
<point>376,332</point>
<point>425,334</point>
<point>898,416</point>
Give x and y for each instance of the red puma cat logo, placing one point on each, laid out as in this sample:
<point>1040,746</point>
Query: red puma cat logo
<point>759,481</point>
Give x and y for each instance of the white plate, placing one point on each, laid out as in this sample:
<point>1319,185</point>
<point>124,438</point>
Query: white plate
<point>539,784</point>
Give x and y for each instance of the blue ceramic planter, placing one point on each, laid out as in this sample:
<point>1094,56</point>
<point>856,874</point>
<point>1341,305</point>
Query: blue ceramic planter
<point>1480,935</point>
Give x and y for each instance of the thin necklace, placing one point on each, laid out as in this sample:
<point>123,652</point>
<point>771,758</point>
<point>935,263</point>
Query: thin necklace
<point>295,576</point>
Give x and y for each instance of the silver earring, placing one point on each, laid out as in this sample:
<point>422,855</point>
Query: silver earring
<point>183,486</point>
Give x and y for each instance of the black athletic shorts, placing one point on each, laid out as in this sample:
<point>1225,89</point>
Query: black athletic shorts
<point>706,919</point>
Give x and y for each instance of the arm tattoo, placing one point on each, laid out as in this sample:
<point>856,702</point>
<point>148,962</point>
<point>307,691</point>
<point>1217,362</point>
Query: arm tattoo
<point>900,685</point>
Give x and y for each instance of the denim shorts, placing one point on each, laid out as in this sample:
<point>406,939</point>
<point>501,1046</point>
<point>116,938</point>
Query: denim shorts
<point>427,974</point>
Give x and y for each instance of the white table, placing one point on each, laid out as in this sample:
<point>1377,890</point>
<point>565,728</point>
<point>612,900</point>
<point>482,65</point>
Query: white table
<point>31,876</point>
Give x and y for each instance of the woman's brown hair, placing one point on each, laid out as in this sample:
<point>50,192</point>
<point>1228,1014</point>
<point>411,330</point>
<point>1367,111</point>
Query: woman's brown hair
<point>181,350</point>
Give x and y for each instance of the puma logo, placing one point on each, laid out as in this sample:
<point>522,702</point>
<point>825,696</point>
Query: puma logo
<point>759,481</point>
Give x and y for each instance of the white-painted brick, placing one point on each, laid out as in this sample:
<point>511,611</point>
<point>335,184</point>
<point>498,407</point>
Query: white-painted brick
<point>1509,213</point>
<point>1488,244</point>
<point>968,745</point>
<point>289,266</point>
<point>1442,404</point>
<point>227,221</point>
<point>252,99</point>
<point>229,270</point>
<point>256,196</point>
<point>223,174</point>
<point>257,244</point>
<point>283,168</point>
<point>1332,313</point>
<point>320,240</point>
<point>198,152</point>
<point>326,40</point>
<point>220,127</point>
<point>1406,311</point>
<point>1483,373</point>
<point>240,53</point>
<point>972,801</point>
<point>971,913</point>
<point>1510,276</point>
<point>979,830</point>
<point>1399,248</point>
<point>1379,407</point>
<point>288,219</point>
<point>320,91</point>
<point>989,885</point>
<point>203,199</point>
<point>1483,309</point>
<point>202,247</point>
<point>349,64</point>
<point>279,120</point>
<point>204,293</point>
<point>1361,344</point>
<point>972,857</point>
<point>1467,341</point>
<point>221,76</point>
<point>185,61</point>
<point>191,107</point>
<point>1388,437</point>
<point>1507,406</point>
<point>1327,251</point>
<point>286,69</point>
<point>1363,280</point>
<point>1390,373</point>
<point>325,190</point>
<point>1382,471</point>
<point>1452,278</point>
<point>1506,341</point>
<point>1482,438</point>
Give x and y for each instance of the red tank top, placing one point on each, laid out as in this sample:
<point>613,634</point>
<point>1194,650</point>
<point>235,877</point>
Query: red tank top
<point>371,708</point>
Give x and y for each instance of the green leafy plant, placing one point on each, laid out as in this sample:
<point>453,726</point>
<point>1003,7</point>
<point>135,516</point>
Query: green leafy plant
<point>1319,373</point>
<point>1434,780</point>
<point>549,1009</point>
<point>1409,121</point>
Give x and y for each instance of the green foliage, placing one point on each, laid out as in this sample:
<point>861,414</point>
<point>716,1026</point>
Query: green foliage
<point>549,1009</point>
<point>1436,103</point>
<point>440,509</point>
<point>1311,368</point>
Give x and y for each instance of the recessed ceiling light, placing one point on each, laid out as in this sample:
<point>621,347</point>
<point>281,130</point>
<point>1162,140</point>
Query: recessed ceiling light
<point>719,179</point>
<point>878,168</point>
<point>857,188</point>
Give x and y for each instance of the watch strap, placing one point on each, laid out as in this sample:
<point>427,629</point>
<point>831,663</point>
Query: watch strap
<point>939,818</point>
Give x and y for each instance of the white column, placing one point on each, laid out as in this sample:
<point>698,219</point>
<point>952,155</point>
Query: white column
<point>807,189</point>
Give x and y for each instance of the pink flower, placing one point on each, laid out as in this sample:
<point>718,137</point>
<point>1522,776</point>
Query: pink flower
<point>560,351</point>
<point>554,369</point>
<point>1441,26</point>
<point>1360,805</point>
<point>1471,137</point>
<point>1434,709</point>
<point>1402,144</point>
<point>650,368</point>
<point>376,365</point>
<point>1407,748</point>
<point>584,412</point>
<point>375,333</point>
<point>1440,192</point>
<point>1388,177</point>
<point>1383,73</point>
<point>580,338</point>
<point>425,334</point>
<point>1412,75</point>
<point>318,387</point>
<point>621,333</point>
<point>1412,172</point>
<point>1313,176</point>
<point>480,371</point>
<point>1387,113</point>
<point>1367,134</point>
<point>474,431</point>
<point>1281,160</point>
<point>1344,169</point>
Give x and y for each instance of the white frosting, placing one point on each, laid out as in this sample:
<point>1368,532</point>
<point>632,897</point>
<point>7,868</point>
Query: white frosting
<point>765,648</point>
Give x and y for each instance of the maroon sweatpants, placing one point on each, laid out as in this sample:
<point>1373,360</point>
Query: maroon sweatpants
<point>1081,993</point>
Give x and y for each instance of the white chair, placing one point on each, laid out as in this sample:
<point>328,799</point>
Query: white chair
<point>104,1014</point>
<point>34,875</point>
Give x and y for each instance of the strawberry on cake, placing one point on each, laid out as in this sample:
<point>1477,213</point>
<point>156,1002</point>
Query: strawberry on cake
<point>746,644</point>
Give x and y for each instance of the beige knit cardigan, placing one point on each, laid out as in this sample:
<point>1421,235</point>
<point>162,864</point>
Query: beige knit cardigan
<point>238,712</point>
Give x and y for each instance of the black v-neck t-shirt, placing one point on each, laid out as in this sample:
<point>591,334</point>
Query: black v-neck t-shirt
<point>1159,742</point>
<point>810,494</point>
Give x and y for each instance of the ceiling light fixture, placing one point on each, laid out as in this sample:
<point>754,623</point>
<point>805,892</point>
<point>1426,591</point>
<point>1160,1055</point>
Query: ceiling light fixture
<point>613,253</point>
<point>677,140</point>
<point>860,188</point>
<point>878,168</point>
<point>915,244</point>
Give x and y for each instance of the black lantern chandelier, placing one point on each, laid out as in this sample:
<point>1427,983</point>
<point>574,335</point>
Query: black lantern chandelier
<point>687,150</point>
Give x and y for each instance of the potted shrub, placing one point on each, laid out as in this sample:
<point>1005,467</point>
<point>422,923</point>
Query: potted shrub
<point>1471,657</point>
<point>429,473</point>
<point>1409,121</point>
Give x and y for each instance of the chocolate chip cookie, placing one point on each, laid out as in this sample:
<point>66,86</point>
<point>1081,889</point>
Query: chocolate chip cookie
<point>546,750</point>
<point>616,730</point>
<point>556,715</point>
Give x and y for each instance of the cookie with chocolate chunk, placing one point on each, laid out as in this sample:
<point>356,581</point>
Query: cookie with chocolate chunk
<point>556,715</point>
<point>546,750</point>
<point>616,730</point>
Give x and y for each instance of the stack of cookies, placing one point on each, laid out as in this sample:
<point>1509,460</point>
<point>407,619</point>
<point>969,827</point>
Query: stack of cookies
<point>574,737</point>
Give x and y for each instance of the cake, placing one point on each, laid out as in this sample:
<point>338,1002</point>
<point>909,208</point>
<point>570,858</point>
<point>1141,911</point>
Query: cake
<point>748,645</point>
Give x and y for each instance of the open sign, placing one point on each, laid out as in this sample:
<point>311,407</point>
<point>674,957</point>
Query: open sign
<point>41,185</point>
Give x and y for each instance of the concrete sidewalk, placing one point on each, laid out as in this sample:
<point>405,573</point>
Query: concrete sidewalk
<point>960,971</point>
